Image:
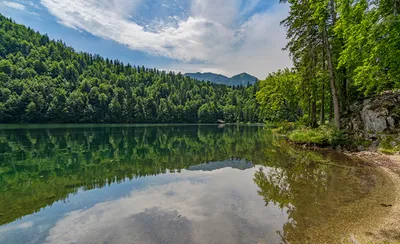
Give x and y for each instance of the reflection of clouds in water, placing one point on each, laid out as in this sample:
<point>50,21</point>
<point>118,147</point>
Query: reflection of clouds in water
<point>24,225</point>
<point>221,206</point>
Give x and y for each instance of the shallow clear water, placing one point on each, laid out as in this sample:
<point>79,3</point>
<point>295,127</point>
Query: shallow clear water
<point>175,184</point>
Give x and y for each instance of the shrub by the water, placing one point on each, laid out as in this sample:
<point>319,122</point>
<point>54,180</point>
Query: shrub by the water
<point>284,127</point>
<point>322,136</point>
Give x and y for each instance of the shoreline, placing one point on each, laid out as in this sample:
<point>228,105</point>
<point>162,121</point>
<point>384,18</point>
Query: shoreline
<point>388,229</point>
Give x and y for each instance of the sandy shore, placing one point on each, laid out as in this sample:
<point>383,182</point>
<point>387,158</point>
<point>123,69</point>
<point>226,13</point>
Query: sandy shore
<point>388,229</point>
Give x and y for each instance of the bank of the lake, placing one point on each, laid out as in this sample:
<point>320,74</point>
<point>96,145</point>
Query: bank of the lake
<point>383,225</point>
<point>387,230</point>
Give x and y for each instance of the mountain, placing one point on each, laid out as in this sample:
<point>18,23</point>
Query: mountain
<point>243,79</point>
<point>234,164</point>
<point>237,80</point>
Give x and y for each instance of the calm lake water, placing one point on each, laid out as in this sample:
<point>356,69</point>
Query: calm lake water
<point>176,184</point>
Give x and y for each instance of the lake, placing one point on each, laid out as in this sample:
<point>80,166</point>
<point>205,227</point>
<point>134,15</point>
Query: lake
<point>178,184</point>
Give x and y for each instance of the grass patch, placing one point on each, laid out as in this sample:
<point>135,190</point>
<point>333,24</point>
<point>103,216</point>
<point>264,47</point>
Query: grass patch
<point>388,151</point>
<point>389,145</point>
<point>322,136</point>
<point>284,127</point>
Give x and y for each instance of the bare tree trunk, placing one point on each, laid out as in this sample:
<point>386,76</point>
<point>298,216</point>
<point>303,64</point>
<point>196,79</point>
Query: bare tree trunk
<point>336,108</point>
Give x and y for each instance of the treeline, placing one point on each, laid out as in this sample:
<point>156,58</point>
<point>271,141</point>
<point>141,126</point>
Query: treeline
<point>342,50</point>
<point>45,81</point>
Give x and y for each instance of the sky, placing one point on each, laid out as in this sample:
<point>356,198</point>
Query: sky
<point>222,36</point>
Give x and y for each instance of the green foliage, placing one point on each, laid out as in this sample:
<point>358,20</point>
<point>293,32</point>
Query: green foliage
<point>284,127</point>
<point>321,136</point>
<point>372,37</point>
<point>278,96</point>
<point>45,81</point>
<point>349,46</point>
<point>209,113</point>
<point>389,145</point>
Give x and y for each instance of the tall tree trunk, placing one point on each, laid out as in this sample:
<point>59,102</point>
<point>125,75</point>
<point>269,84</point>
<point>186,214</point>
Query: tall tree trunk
<point>309,109</point>
<point>343,93</point>
<point>336,108</point>
<point>314,113</point>
<point>330,110</point>
<point>345,103</point>
<point>333,11</point>
<point>322,112</point>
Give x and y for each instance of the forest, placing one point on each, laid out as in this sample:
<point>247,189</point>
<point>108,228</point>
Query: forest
<point>45,81</point>
<point>342,50</point>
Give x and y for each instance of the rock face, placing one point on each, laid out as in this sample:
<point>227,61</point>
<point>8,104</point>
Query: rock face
<point>379,114</point>
<point>374,120</point>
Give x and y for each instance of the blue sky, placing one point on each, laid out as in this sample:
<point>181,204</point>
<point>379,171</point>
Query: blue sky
<point>222,36</point>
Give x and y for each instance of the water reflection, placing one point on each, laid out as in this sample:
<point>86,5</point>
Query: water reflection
<point>325,194</point>
<point>173,184</point>
<point>194,208</point>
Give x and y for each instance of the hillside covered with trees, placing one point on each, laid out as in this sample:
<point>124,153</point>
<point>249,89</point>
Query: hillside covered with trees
<point>45,81</point>
<point>342,51</point>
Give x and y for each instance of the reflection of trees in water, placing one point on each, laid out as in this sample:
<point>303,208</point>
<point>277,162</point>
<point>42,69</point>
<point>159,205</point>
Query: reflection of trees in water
<point>41,166</point>
<point>312,190</point>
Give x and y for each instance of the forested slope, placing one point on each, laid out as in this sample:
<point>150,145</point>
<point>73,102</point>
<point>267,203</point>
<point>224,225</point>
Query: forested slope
<point>45,81</point>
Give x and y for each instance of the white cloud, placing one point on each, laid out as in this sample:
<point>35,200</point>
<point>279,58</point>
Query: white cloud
<point>23,225</point>
<point>33,5</point>
<point>14,5</point>
<point>259,53</point>
<point>223,12</point>
<point>213,33</point>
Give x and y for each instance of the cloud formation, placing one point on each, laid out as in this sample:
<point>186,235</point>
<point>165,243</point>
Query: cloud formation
<point>14,5</point>
<point>229,36</point>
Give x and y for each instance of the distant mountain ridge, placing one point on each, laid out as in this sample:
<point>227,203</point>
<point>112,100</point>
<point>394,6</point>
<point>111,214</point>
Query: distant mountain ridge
<point>241,79</point>
<point>234,164</point>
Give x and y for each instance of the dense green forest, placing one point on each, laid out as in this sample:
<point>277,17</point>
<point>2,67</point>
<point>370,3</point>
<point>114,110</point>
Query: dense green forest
<point>45,81</point>
<point>342,51</point>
